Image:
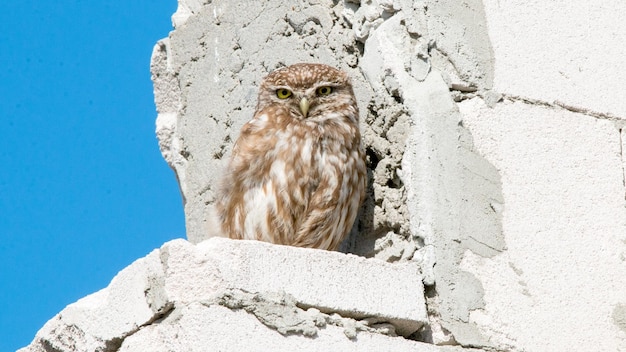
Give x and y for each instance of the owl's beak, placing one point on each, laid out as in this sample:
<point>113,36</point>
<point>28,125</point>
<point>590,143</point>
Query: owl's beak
<point>304,106</point>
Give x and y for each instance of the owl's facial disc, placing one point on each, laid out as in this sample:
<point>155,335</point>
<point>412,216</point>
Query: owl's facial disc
<point>304,106</point>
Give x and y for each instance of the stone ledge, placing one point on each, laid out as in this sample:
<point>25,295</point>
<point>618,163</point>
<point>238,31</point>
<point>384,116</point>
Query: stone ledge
<point>332,282</point>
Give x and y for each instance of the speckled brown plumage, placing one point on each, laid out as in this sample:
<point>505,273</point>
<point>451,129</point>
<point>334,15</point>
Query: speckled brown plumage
<point>297,173</point>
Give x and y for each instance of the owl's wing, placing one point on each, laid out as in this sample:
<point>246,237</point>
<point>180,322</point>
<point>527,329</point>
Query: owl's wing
<point>255,139</point>
<point>332,208</point>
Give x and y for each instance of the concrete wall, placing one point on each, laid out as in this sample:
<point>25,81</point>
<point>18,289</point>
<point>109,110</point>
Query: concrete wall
<point>494,132</point>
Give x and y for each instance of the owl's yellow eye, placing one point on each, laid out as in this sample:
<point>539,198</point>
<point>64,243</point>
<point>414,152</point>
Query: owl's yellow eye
<point>325,90</point>
<point>283,93</point>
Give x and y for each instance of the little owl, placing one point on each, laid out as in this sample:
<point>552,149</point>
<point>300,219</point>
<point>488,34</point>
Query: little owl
<point>297,173</point>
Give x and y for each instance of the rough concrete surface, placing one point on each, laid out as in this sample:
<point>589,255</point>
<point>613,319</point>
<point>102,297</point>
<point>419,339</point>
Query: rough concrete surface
<point>563,189</point>
<point>453,193</point>
<point>564,51</point>
<point>494,134</point>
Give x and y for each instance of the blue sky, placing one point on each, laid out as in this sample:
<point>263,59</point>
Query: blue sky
<point>84,190</point>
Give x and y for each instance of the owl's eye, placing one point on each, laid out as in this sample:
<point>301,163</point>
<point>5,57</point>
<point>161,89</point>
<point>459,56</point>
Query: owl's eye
<point>283,93</point>
<point>325,90</point>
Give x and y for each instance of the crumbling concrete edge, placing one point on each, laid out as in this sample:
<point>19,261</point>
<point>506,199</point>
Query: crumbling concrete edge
<point>168,101</point>
<point>145,294</point>
<point>281,312</point>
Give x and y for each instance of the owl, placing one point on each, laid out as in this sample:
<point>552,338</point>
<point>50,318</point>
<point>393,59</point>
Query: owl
<point>297,174</point>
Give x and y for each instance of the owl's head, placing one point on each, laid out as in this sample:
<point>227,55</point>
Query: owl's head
<point>314,92</point>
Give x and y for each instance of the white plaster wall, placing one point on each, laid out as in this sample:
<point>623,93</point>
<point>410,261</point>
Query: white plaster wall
<point>570,51</point>
<point>556,140</point>
<point>563,273</point>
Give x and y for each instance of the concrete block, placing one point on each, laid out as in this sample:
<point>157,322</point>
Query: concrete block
<point>329,281</point>
<point>562,279</point>
<point>560,51</point>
